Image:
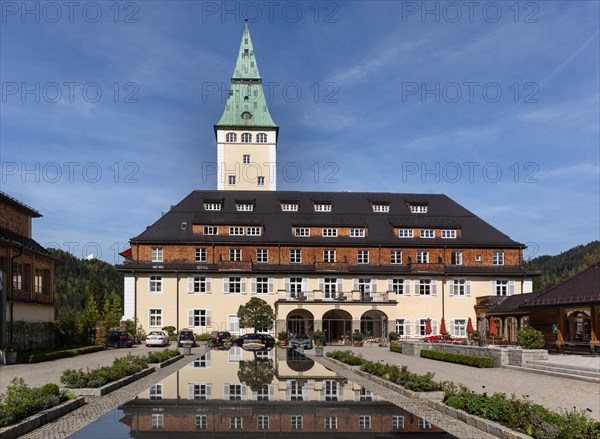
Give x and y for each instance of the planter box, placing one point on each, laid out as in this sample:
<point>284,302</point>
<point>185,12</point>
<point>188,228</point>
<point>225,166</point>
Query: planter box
<point>39,419</point>
<point>107,388</point>
<point>166,363</point>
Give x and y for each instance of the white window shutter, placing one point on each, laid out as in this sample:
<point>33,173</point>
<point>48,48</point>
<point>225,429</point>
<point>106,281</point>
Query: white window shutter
<point>390,285</point>
<point>244,393</point>
<point>254,395</point>
<point>305,392</point>
<point>190,284</point>
<point>226,392</point>
<point>209,391</point>
<point>208,362</point>
<point>511,287</point>
<point>434,326</point>
<point>339,285</point>
<point>288,392</point>
<point>492,288</point>
<point>434,287</point>
<point>467,288</point>
<point>451,287</point>
<point>356,395</point>
<point>355,284</point>
<point>226,285</point>
<point>286,284</point>
<point>406,287</point>
<point>321,284</point>
<point>190,391</point>
<point>407,328</point>
<point>373,285</point>
<point>191,318</point>
<point>271,285</point>
<point>271,392</point>
<point>208,316</point>
<point>243,285</point>
<point>304,284</point>
<point>253,285</point>
<point>450,327</point>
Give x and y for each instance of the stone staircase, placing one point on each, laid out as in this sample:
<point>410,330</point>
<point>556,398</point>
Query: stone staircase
<point>581,373</point>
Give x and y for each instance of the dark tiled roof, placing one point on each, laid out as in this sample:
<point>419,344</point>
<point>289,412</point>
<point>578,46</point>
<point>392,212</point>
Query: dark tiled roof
<point>511,305</point>
<point>17,240</point>
<point>352,209</point>
<point>7,199</point>
<point>582,288</point>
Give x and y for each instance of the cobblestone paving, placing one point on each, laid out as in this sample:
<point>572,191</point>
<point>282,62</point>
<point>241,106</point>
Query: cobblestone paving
<point>97,407</point>
<point>415,406</point>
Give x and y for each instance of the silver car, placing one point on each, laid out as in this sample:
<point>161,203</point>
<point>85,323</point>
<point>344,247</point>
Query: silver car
<point>157,338</point>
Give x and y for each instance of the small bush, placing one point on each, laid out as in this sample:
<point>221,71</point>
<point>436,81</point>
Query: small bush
<point>396,348</point>
<point>121,367</point>
<point>346,357</point>
<point>530,338</point>
<point>159,357</point>
<point>451,357</point>
<point>202,337</point>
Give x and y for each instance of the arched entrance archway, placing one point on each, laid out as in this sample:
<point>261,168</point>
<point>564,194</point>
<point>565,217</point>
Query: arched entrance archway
<point>337,323</point>
<point>373,323</point>
<point>578,326</point>
<point>511,329</point>
<point>300,321</point>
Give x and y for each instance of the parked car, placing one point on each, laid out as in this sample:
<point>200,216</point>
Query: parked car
<point>302,340</point>
<point>218,339</point>
<point>186,335</point>
<point>254,341</point>
<point>157,338</point>
<point>119,339</point>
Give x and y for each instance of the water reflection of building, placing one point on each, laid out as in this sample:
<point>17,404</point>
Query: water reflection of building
<point>208,395</point>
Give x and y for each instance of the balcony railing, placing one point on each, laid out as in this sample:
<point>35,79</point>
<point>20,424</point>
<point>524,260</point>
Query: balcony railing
<point>322,296</point>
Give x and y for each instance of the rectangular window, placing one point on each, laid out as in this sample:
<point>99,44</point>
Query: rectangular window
<point>246,159</point>
<point>262,422</point>
<point>302,231</point>
<point>358,233</point>
<point>331,389</point>
<point>233,323</point>
<point>381,207</point>
<point>498,258</point>
<point>244,207</point>
<point>422,257</point>
<point>235,392</point>
<point>157,254</point>
<point>236,231</point>
<point>363,256</point>
<point>211,230</point>
<point>253,231</point>
<point>155,392</point>
<point>459,287</point>
<point>329,287</point>
<point>201,391</point>
<point>418,208</point>
<point>42,281</point>
<point>424,425</point>
<point>263,393</point>
<point>155,317</point>
<point>235,254</point>
<point>329,256</point>
<point>397,286</point>
<point>295,390</point>
<point>235,422</point>
<point>365,394</point>
<point>503,288</point>
<point>424,287</point>
<point>296,422</point>
<point>295,286</point>
<point>212,206</point>
<point>289,207</point>
<point>406,233</point>
<point>262,255</point>
<point>262,285</point>
<point>427,233</point>
<point>448,234</point>
<point>231,180</point>
<point>400,327</point>
<point>330,232</point>
<point>295,256</point>
<point>397,422</point>
<point>330,423</point>
<point>234,285</point>
<point>364,422</point>
<point>155,284</point>
<point>198,285</point>
<point>395,256</point>
<point>200,255</point>
<point>158,421</point>
<point>322,207</point>
<point>200,423</point>
<point>260,180</point>
<point>199,317</point>
<point>456,258</point>
<point>460,328</point>
<point>202,362</point>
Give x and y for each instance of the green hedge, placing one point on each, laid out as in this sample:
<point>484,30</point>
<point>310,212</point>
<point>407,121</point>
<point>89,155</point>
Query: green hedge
<point>160,356</point>
<point>396,348</point>
<point>451,357</point>
<point>122,367</point>
<point>37,357</point>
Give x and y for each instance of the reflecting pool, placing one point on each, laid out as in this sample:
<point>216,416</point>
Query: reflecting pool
<point>240,394</point>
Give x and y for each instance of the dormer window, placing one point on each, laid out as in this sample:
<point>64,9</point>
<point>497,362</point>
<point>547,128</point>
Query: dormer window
<point>236,231</point>
<point>302,231</point>
<point>289,207</point>
<point>418,208</point>
<point>246,115</point>
<point>322,207</point>
<point>261,138</point>
<point>380,207</point>
<point>212,206</point>
<point>231,137</point>
<point>358,233</point>
<point>405,233</point>
<point>183,226</point>
<point>244,207</point>
<point>330,232</point>
<point>427,233</point>
<point>448,234</point>
<point>246,137</point>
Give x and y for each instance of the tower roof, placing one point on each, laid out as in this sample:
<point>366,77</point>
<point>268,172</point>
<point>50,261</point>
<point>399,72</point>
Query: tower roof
<point>246,105</point>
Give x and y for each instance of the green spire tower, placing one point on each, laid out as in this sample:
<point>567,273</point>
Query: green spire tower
<point>246,134</point>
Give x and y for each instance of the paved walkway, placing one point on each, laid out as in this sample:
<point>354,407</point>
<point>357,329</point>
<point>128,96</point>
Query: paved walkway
<point>579,361</point>
<point>552,392</point>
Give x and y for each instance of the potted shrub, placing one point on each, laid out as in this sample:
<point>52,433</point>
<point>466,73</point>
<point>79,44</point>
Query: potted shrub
<point>10,355</point>
<point>186,347</point>
<point>393,337</point>
<point>358,339</point>
<point>319,338</point>
<point>283,338</point>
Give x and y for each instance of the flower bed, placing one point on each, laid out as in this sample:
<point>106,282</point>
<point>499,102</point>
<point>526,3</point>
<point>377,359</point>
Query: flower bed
<point>122,367</point>
<point>451,357</point>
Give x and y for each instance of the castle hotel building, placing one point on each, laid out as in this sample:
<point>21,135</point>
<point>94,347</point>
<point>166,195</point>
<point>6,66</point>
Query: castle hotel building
<point>332,261</point>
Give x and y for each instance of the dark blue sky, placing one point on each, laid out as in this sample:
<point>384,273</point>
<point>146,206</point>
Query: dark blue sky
<point>107,108</point>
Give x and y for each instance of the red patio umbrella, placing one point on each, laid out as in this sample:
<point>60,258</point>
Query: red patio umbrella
<point>428,329</point>
<point>492,329</point>
<point>443,330</point>
<point>470,329</point>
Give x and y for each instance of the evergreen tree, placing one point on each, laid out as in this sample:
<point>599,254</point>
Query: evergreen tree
<point>89,318</point>
<point>112,312</point>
